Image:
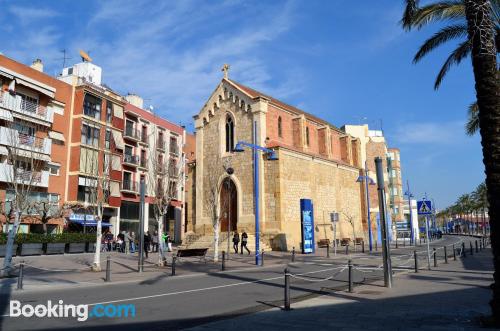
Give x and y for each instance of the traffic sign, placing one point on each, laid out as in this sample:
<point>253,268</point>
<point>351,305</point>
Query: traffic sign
<point>424,207</point>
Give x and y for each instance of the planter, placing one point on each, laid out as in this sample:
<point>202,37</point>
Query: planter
<point>31,249</point>
<point>76,247</point>
<point>3,249</point>
<point>90,247</point>
<point>55,248</point>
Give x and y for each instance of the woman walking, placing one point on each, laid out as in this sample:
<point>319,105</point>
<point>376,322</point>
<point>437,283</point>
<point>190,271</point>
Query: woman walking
<point>236,241</point>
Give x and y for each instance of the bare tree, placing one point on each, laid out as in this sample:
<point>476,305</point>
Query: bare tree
<point>212,199</point>
<point>22,172</point>
<point>48,210</point>
<point>163,177</point>
<point>350,219</point>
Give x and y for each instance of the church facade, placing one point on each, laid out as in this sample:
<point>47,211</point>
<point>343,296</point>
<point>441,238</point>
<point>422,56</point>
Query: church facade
<point>315,160</point>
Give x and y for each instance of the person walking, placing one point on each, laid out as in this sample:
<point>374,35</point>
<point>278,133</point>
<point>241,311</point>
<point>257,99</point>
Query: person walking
<point>154,239</point>
<point>126,241</point>
<point>147,243</point>
<point>244,241</point>
<point>169,243</point>
<point>236,241</point>
<point>132,242</point>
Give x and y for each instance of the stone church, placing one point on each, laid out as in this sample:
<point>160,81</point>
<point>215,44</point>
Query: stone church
<point>315,160</point>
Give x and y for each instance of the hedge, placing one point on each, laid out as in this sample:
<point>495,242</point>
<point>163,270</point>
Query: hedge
<point>34,238</point>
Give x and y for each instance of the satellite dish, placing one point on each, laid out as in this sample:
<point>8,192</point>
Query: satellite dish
<point>85,56</point>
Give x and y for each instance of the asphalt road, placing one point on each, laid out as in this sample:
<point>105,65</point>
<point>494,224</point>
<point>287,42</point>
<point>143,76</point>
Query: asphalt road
<point>184,301</point>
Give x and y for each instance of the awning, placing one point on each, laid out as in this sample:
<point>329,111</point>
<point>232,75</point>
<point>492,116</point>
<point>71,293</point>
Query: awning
<point>5,74</point>
<point>85,181</point>
<point>117,137</point>
<point>118,111</point>
<point>56,135</point>
<point>48,92</point>
<point>32,155</point>
<point>3,150</point>
<point>29,82</point>
<point>114,189</point>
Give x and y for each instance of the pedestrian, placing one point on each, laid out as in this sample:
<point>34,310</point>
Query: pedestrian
<point>132,242</point>
<point>169,243</point>
<point>244,241</point>
<point>236,241</point>
<point>126,241</point>
<point>147,243</point>
<point>154,239</point>
<point>163,242</point>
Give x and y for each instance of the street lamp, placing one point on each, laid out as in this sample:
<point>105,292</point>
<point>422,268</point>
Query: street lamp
<point>410,195</point>
<point>368,181</point>
<point>229,172</point>
<point>271,155</point>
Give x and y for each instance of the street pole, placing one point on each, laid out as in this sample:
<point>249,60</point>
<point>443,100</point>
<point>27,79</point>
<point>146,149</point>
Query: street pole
<point>370,244</point>
<point>335,237</point>
<point>427,237</point>
<point>412,231</point>
<point>228,214</point>
<point>141,225</point>
<point>383,215</point>
<point>256,193</point>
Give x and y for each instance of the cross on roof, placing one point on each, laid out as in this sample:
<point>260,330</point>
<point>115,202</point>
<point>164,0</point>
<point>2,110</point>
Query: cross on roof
<point>225,69</point>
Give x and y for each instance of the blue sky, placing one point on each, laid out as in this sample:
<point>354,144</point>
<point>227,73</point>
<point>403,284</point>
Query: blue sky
<point>348,62</point>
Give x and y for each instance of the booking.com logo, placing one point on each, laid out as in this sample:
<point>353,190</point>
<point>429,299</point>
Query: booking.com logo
<point>80,312</point>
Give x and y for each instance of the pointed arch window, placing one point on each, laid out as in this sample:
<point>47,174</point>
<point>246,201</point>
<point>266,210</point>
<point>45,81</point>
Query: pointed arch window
<point>307,136</point>
<point>280,128</point>
<point>229,134</point>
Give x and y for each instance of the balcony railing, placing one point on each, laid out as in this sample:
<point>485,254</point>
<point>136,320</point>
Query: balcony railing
<point>144,137</point>
<point>143,163</point>
<point>130,186</point>
<point>174,149</point>
<point>131,159</point>
<point>132,133</point>
<point>160,144</point>
<point>25,177</point>
<point>25,107</point>
<point>13,138</point>
<point>173,171</point>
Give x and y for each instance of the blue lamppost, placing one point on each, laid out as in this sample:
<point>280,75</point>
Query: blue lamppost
<point>368,181</point>
<point>271,155</point>
<point>410,195</point>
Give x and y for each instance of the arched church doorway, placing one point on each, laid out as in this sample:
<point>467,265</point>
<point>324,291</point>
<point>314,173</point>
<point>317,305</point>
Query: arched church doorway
<point>229,206</point>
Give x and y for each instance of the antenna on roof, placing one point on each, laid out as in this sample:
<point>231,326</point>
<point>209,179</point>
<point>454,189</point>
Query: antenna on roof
<point>85,56</point>
<point>64,58</point>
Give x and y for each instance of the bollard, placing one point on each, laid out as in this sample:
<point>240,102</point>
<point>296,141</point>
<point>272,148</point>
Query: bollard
<point>223,266</point>
<point>173,265</point>
<point>262,258</point>
<point>108,269</point>
<point>445,255</point>
<point>404,242</point>
<point>293,254</point>
<point>454,253</point>
<point>287,290</point>
<point>420,240</point>
<point>416,260</point>
<point>363,247</point>
<point>435,257</point>
<point>376,245</point>
<point>480,245</point>
<point>21,276</point>
<point>349,264</point>
<point>347,249</point>
<point>471,250</point>
<point>328,250</point>
<point>477,249</point>
<point>463,250</point>
<point>396,242</point>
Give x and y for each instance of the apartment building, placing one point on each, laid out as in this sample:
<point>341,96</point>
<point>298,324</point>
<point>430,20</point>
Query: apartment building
<point>34,113</point>
<point>396,199</point>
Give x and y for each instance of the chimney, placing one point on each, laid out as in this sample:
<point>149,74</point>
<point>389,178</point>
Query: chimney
<point>135,100</point>
<point>37,65</point>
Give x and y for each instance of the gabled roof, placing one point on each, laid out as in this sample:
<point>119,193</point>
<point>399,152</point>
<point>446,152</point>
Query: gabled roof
<point>256,94</point>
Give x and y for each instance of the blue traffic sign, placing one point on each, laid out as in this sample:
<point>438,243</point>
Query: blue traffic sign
<point>424,207</point>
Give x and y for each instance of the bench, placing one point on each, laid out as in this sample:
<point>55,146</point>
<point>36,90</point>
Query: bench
<point>358,241</point>
<point>323,243</point>
<point>345,241</point>
<point>193,252</point>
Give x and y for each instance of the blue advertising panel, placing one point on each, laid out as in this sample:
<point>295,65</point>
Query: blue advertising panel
<point>307,225</point>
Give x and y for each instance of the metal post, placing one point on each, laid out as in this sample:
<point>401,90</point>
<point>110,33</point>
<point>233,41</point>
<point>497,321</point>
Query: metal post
<point>335,237</point>
<point>223,261</point>
<point>404,242</point>
<point>108,269</point>
<point>141,225</point>
<point>445,255</point>
<point>347,248</point>
<point>435,257</point>
<point>426,239</point>
<point>328,250</point>
<point>256,165</point>
<point>376,245</point>
<point>397,241</point>
<point>262,258</point>
<point>383,222</point>
<point>412,231</point>
<point>463,250</point>
<point>287,290</point>
<point>471,250</point>
<point>21,276</point>
<point>173,265</point>
<point>477,249</point>
<point>416,260</point>
<point>293,254</point>
<point>349,264</point>
<point>363,247</point>
<point>368,208</point>
<point>454,253</point>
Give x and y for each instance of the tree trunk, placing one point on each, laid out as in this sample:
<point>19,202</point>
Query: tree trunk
<point>96,266</point>
<point>44,225</point>
<point>216,240</point>
<point>161,242</point>
<point>7,262</point>
<point>481,33</point>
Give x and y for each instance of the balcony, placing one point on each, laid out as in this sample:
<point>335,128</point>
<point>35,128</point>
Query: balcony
<point>173,171</point>
<point>160,144</point>
<point>131,133</point>
<point>131,160</point>
<point>130,186</point>
<point>174,150</point>
<point>143,163</point>
<point>22,141</point>
<point>26,109</point>
<point>24,177</point>
<point>144,137</point>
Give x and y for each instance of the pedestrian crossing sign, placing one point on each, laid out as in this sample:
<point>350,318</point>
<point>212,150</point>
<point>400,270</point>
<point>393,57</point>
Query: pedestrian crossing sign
<point>424,207</point>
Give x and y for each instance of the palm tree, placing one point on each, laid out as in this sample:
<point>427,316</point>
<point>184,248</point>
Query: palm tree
<point>480,195</point>
<point>480,31</point>
<point>472,124</point>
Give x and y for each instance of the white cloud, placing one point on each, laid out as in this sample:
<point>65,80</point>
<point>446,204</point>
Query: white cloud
<point>31,14</point>
<point>430,133</point>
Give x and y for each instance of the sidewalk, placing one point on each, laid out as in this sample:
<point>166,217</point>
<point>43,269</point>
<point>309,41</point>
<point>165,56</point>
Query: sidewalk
<point>450,297</point>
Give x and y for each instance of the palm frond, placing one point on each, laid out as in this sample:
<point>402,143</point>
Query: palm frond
<point>439,38</point>
<point>410,9</point>
<point>439,11</point>
<point>462,51</point>
<point>472,125</point>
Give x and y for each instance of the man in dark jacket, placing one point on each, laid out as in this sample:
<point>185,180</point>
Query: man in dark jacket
<point>244,241</point>
<point>147,243</point>
<point>236,241</point>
